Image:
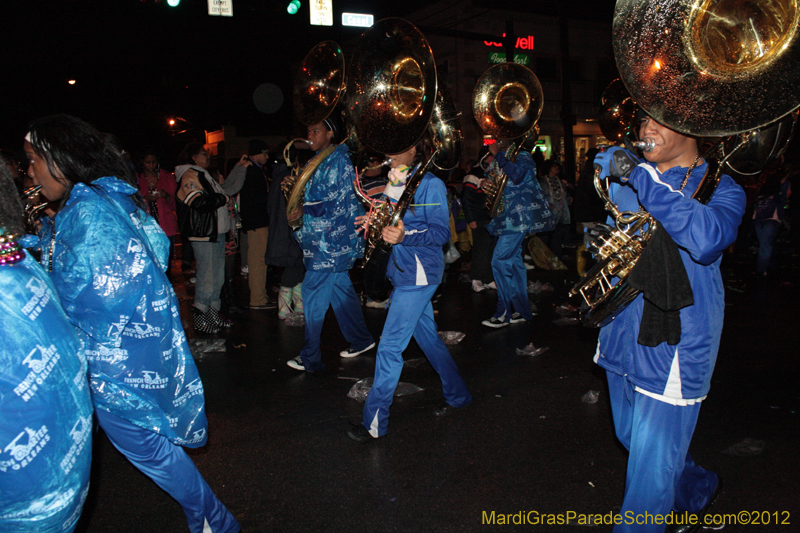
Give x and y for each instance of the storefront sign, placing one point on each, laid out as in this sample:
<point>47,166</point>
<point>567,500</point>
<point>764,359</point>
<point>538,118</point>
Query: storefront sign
<point>525,43</point>
<point>500,57</point>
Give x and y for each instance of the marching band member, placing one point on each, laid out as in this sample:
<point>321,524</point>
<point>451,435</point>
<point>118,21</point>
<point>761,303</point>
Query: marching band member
<point>415,269</point>
<point>659,352</point>
<point>525,210</point>
<point>45,406</point>
<point>331,244</point>
<point>107,258</point>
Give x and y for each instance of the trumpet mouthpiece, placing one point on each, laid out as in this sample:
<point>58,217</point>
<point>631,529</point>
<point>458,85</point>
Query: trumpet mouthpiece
<point>645,145</point>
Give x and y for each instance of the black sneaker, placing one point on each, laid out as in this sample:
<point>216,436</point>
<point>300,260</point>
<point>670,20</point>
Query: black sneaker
<point>201,323</point>
<point>360,434</point>
<point>214,318</point>
<point>516,318</point>
<point>494,323</point>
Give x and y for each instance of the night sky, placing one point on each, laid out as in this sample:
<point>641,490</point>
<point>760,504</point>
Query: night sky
<point>138,63</point>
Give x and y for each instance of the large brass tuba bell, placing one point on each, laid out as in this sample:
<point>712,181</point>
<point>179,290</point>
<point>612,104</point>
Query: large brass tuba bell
<point>391,86</point>
<point>507,102</point>
<point>710,68</point>
<point>617,112</point>
<point>318,87</point>
<point>706,68</point>
<point>394,99</point>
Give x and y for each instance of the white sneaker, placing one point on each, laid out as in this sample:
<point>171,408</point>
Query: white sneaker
<point>491,285</point>
<point>377,305</point>
<point>477,285</point>
<point>296,363</point>
<point>245,270</point>
<point>352,353</point>
<point>528,266</point>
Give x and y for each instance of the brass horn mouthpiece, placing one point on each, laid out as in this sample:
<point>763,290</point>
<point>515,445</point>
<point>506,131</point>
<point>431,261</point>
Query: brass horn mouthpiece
<point>645,145</point>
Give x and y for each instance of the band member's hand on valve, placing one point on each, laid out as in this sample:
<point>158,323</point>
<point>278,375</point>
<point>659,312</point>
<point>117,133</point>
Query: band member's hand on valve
<point>594,237</point>
<point>615,161</point>
<point>394,234</point>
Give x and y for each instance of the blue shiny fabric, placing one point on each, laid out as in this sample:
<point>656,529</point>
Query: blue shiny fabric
<point>525,208</point>
<point>108,267</point>
<point>46,423</point>
<point>701,232</point>
<point>329,237</point>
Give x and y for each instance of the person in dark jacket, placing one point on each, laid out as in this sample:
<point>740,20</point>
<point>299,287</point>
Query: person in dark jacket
<point>204,218</point>
<point>589,207</point>
<point>283,250</point>
<point>254,208</point>
<point>473,202</point>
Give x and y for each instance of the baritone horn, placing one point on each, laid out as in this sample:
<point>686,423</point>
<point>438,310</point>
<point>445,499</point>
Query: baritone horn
<point>318,87</point>
<point>703,68</point>
<point>507,102</point>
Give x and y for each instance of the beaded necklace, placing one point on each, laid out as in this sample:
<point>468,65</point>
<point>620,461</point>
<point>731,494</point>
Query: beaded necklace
<point>689,172</point>
<point>10,250</point>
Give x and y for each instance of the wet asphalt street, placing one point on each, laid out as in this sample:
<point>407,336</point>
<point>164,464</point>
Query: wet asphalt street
<point>278,456</point>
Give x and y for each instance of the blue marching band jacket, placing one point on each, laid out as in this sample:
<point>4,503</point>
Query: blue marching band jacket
<point>526,210</point>
<point>679,374</point>
<point>329,237</point>
<point>419,259</point>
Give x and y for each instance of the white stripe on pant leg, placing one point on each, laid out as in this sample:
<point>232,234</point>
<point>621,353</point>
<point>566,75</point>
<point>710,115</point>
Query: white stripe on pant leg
<point>373,426</point>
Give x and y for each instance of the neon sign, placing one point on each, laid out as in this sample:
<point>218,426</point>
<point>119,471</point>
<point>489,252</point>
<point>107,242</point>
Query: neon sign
<point>526,43</point>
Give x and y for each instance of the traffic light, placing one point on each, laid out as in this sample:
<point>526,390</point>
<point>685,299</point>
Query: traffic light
<point>293,7</point>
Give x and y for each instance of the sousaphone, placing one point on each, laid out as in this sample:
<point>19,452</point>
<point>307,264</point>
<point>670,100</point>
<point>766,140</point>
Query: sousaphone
<point>394,100</point>
<point>705,68</point>
<point>391,98</point>
<point>507,102</point>
<point>318,87</point>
